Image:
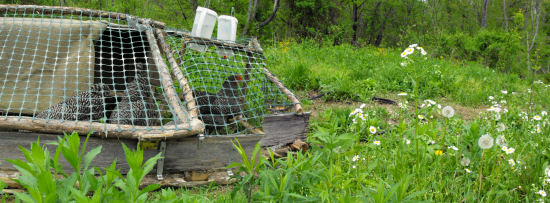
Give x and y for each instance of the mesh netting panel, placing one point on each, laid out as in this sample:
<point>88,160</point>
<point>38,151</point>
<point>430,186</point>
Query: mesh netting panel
<point>64,65</point>
<point>229,84</point>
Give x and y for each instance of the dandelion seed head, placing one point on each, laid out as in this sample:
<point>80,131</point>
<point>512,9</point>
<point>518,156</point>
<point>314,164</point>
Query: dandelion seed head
<point>501,127</point>
<point>465,161</point>
<point>448,112</point>
<point>485,141</point>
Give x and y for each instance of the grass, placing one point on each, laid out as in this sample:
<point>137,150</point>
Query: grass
<point>344,72</point>
<point>391,153</point>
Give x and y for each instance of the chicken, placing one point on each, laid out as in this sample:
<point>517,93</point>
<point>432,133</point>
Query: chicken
<point>136,106</point>
<point>216,109</point>
<point>89,105</point>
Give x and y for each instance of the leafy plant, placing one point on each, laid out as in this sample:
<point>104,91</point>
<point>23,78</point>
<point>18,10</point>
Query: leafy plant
<point>250,167</point>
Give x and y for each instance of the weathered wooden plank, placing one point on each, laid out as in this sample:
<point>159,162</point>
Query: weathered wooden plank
<point>187,154</point>
<point>214,152</point>
<point>284,128</point>
<point>112,148</point>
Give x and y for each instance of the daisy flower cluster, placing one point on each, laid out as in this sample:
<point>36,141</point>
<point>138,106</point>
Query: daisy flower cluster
<point>410,50</point>
<point>358,114</point>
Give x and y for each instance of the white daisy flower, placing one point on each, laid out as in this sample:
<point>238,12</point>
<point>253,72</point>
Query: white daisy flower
<point>372,130</point>
<point>453,148</point>
<point>448,112</point>
<point>504,91</point>
<point>504,148</point>
<point>409,51</point>
<point>485,141</point>
<point>491,98</point>
<point>544,113</point>
<point>413,45</point>
<point>423,52</point>
<point>404,54</point>
<point>547,171</point>
<point>539,130</point>
<point>401,105</point>
<point>376,142</point>
<point>420,116</point>
<point>537,117</point>
<point>402,94</point>
<point>541,193</point>
<point>467,170</point>
<point>511,162</point>
<point>510,150</point>
<point>355,158</point>
<point>354,121</point>
<point>407,141</point>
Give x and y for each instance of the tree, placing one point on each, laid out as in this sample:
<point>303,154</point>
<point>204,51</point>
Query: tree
<point>484,14</point>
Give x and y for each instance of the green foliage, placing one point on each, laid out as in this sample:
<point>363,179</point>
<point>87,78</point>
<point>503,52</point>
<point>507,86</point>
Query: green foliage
<point>45,181</point>
<point>343,72</point>
<point>249,166</point>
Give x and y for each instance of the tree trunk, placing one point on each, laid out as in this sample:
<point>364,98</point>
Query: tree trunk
<point>484,14</point>
<point>248,17</point>
<point>272,16</point>
<point>180,4</point>
<point>355,26</point>
<point>382,28</point>
<point>373,21</point>
<point>195,5</point>
<point>505,15</point>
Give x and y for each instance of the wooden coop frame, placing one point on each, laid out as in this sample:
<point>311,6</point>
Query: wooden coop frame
<point>190,158</point>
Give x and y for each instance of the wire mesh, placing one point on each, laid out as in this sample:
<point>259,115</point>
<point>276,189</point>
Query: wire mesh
<point>68,65</point>
<point>229,84</point>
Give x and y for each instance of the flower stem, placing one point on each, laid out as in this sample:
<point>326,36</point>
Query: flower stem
<point>480,172</point>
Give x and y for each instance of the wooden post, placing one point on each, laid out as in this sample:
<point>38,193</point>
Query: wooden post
<point>184,84</point>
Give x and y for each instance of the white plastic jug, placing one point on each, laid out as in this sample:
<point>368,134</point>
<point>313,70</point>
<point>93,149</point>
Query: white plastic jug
<point>227,31</point>
<point>203,26</point>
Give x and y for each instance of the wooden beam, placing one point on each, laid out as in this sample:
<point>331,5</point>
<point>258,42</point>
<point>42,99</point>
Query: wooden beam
<point>34,9</point>
<point>282,129</point>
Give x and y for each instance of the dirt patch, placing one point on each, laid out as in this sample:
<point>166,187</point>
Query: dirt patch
<point>319,105</point>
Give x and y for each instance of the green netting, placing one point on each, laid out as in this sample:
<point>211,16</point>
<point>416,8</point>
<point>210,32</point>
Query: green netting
<point>64,65</point>
<point>228,82</point>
